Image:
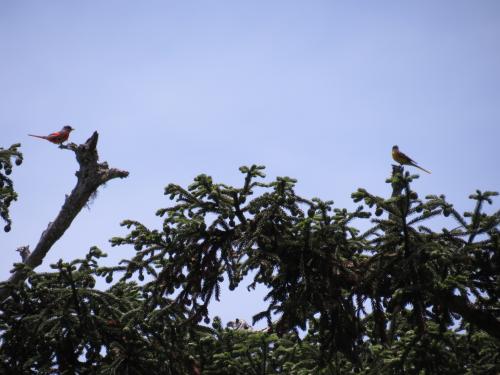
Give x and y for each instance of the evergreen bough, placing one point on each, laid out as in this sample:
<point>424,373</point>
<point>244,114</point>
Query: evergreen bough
<point>400,297</point>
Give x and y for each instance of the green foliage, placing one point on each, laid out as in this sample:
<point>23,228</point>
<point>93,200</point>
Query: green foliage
<point>313,261</point>
<point>59,320</point>
<point>300,249</point>
<point>400,297</point>
<point>7,192</point>
<point>228,351</point>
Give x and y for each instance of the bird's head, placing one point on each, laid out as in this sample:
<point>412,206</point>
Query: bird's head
<point>395,148</point>
<point>68,128</point>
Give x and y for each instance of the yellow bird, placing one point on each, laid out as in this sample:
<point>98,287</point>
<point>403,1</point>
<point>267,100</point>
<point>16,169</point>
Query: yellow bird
<point>403,159</point>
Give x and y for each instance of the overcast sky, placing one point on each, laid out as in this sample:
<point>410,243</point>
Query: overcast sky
<point>315,90</point>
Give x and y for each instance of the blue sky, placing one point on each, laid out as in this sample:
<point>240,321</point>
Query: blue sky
<point>316,90</point>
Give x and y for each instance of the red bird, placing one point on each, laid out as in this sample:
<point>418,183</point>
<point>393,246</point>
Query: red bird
<point>56,137</point>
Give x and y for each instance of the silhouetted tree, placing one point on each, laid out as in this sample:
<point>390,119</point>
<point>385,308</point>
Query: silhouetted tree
<point>7,192</point>
<point>400,297</point>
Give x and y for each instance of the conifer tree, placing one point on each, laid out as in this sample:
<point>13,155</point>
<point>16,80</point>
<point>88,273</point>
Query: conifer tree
<point>318,267</point>
<point>401,297</point>
<point>7,192</point>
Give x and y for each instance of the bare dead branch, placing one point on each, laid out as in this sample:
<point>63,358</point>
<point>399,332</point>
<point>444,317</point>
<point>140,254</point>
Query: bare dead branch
<point>91,175</point>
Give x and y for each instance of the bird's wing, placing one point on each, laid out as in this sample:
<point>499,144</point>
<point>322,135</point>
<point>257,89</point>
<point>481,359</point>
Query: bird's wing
<point>57,137</point>
<point>407,158</point>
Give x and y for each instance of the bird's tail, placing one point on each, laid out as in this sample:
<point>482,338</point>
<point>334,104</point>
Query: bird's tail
<point>38,136</point>
<point>425,170</point>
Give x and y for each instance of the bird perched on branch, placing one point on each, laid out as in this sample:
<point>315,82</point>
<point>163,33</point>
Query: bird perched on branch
<point>239,324</point>
<point>403,159</point>
<point>57,137</point>
<point>24,251</point>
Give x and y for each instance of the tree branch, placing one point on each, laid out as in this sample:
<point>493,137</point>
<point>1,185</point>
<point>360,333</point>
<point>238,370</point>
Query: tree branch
<point>480,318</point>
<point>90,176</point>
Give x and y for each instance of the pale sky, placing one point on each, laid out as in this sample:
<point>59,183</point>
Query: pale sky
<point>315,90</point>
